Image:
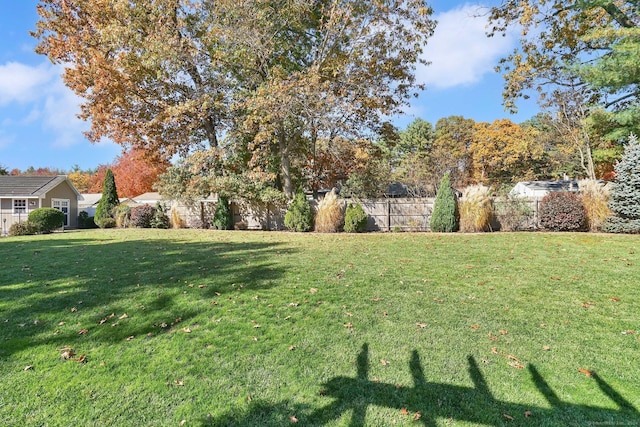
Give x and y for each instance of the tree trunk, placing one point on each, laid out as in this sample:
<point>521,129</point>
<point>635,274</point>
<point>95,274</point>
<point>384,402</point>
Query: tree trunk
<point>285,163</point>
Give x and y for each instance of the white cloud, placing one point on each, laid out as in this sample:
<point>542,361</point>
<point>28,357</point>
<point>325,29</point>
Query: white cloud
<point>51,104</point>
<point>22,83</point>
<point>459,51</point>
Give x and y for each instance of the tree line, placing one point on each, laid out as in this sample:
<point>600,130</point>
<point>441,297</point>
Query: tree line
<point>256,99</point>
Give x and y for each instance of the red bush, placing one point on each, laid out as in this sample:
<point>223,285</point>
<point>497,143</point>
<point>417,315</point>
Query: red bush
<point>141,216</point>
<point>562,211</point>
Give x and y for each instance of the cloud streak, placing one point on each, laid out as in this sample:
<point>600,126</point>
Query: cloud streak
<point>459,51</point>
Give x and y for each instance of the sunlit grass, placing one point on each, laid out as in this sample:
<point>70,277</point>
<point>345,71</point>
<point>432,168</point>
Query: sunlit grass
<point>253,328</point>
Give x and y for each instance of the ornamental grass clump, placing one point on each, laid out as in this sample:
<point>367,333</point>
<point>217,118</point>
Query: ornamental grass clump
<point>476,209</point>
<point>562,211</point>
<point>445,216</point>
<point>595,198</point>
<point>329,217</point>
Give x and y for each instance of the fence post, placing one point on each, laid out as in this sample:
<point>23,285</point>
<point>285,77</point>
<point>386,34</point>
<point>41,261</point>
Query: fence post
<point>388,215</point>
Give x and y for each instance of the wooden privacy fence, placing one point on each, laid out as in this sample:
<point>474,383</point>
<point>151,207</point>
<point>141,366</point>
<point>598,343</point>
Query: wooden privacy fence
<point>392,214</point>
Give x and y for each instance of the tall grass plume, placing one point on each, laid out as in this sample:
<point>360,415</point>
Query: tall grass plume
<point>595,198</point>
<point>330,215</point>
<point>476,209</point>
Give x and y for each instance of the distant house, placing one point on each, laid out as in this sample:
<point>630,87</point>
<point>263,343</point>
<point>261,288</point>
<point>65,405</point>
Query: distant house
<point>539,189</point>
<point>89,203</point>
<point>19,195</point>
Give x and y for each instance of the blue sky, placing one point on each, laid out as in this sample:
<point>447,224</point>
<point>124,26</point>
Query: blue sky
<point>38,126</point>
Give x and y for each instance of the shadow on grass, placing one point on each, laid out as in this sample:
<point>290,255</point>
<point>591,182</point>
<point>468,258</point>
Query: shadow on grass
<point>51,288</point>
<point>432,401</point>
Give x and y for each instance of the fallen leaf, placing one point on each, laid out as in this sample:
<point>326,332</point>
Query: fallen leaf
<point>585,371</point>
<point>421,325</point>
<point>587,304</point>
<point>516,365</point>
<point>493,337</point>
<point>293,347</point>
<point>348,325</point>
<point>186,330</point>
<point>73,309</point>
<point>376,299</point>
<point>28,368</point>
<point>179,382</point>
<point>475,327</point>
<point>67,353</point>
<point>513,358</point>
<point>546,348</point>
<point>404,411</point>
<point>527,414</point>
<point>313,290</point>
<point>287,318</point>
<point>61,324</point>
<point>82,359</point>
<point>555,278</point>
<point>615,299</point>
<point>494,350</point>
<point>183,422</point>
<point>503,332</point>
<point>384,362</point>
<point>129,338</point>
<point>384,314</point>
<point>293,419</point>
<point>508,417</point>
<point>83,331</point>
<point>628,332</point>
<point>202,286</point>
<point>124,316</point>
<point>417,416</point>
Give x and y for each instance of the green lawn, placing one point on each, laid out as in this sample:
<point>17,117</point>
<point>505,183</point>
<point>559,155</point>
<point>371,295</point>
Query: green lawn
<point>188,327</point>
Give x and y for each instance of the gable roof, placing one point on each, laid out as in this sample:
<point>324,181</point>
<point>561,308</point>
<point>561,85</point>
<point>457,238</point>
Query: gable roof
<point>31,186</point>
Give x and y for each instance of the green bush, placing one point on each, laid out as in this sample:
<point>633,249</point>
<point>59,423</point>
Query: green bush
<point>160,219</point>
<point>625,195</point>
<point>562,211</point>
<point>109,223</point>
<point>355,219</point>
<point>86,221</point>
<point>299,216</point>
<point>445,217</point>
<point>108,201</point>
<point>23,228</point>
<point>142,216</point>
<point>46,219</point>
<point>223,216</point>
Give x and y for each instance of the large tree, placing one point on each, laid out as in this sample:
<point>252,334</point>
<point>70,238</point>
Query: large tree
<point>590,43</point>
<point>170,76</point>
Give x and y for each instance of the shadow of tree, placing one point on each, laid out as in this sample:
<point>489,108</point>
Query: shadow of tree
<point>352,396</point>
<point>78,281</point>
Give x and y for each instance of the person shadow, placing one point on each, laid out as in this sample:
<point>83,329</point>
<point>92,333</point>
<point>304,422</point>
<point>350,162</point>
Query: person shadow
<point>429,401</point>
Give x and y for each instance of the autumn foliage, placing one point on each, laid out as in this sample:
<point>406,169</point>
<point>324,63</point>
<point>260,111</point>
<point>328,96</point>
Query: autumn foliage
<point>134,173</point>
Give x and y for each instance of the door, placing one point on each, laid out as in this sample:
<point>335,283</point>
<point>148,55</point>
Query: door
<point>62,205</point>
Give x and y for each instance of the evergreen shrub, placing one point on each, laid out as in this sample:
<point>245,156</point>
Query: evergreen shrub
<point>223,216</point>
<point>299,216</point>
<point>46,219</point>
<point>445,216</point>
<point>142,216</point>
<point>562,211</point>
<point>160,219</point>
<point>108,201</point>
<point>355,218</point>
<point>625,194</point>
<point>85,221</point>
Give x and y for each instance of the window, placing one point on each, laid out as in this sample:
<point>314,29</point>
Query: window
<point>62,205</point>
<point>19,206</point>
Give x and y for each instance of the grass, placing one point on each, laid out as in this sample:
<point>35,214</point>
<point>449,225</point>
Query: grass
<point>187,327</point>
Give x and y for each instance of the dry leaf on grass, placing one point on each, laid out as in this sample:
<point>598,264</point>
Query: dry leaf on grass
<point>508,417</point>
<point>421,325</point>
<point>28,368</point>
<point>384,362</point>
<point>83,331</point>
<point>124,316</point>
<point>67,353</point>
<point>293,419</point>
<point>585,371</point>
<point>404,411</point>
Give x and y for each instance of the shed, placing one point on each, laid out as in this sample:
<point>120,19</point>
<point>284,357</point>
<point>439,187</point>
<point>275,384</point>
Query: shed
<point>539,189</point>
<point>19,195</point>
